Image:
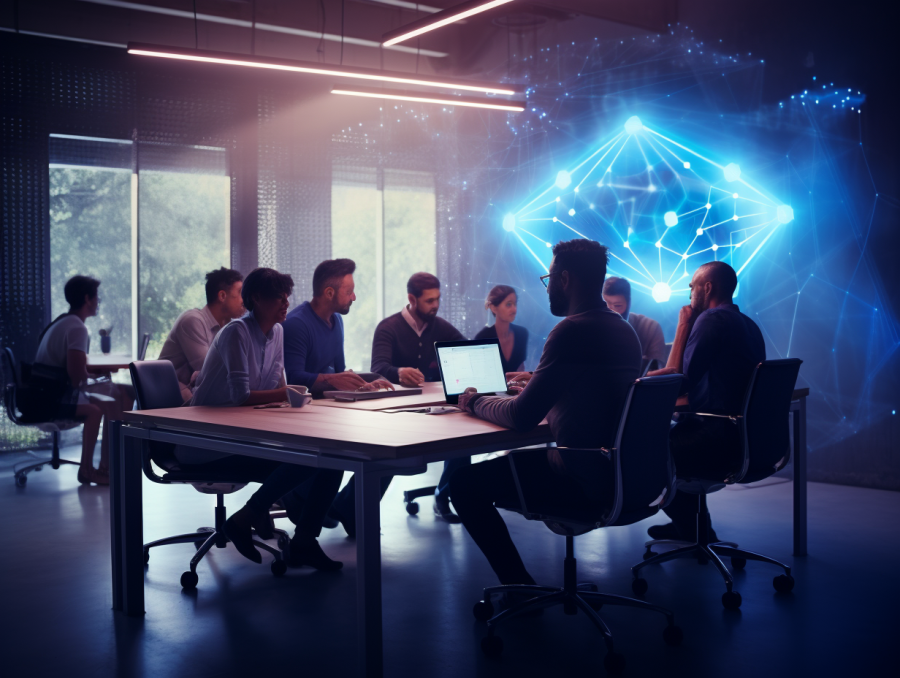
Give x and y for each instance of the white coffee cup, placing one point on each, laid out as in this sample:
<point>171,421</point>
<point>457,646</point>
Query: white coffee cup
<point>299,396</point>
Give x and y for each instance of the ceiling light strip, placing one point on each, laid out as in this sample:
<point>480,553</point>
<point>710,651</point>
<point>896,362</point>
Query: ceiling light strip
<point>229,59</point>
<point>440,19</point>
<point>423,97</point>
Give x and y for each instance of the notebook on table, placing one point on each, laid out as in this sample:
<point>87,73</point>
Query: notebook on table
<point>353,396</point>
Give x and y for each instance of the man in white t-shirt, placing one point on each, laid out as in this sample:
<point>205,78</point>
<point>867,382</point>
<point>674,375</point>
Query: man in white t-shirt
<point>193,333</point>
<point>64,346</point>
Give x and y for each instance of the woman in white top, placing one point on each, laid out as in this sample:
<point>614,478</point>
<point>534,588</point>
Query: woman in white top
<point>62,353</point>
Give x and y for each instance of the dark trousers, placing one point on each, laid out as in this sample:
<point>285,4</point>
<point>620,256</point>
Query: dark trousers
<point>701,448</point>
<point>277,480</point>
<point>345,502</point>
<point>451,466</point>
<point>475,489</point>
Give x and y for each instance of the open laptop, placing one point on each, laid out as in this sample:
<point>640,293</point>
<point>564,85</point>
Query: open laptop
<point>473,363</point>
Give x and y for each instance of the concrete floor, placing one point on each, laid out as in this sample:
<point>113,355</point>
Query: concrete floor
<point>56,619</point>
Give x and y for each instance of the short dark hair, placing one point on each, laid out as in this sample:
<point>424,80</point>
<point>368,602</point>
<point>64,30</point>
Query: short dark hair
<point>219,280</point>
<point>79,286</point>
<point>617,287</point>
<point>497,294</point>
<point>419,282</point>
<point>266,283</point>
<point>723,278</point>
<point>329,273</point>
<point>585,260</point>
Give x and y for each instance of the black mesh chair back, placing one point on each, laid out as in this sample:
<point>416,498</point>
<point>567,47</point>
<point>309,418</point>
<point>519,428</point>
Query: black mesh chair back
<point>646,476</point>
<point>10,383</point>
<point>156,387</point>
<point>145,342</point>
<point>765,417</point>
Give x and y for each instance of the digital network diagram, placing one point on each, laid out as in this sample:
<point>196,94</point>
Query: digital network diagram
<point>663,207</point>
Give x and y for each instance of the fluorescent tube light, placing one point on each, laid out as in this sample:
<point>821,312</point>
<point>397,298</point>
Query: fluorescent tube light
<point>230,59</point>
<point>425,97</point>
<point>440,19</point>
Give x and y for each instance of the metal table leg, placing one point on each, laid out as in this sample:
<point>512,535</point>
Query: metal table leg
<point>368,573</point>
<point>798,410</point>
<point>131,525</point>
<point>115,512</point>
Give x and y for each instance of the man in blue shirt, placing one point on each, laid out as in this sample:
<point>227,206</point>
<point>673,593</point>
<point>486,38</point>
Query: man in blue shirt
<point>716,348</point>
<point>314,332</point>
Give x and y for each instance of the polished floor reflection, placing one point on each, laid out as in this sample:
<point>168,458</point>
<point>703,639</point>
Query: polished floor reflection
<point>56,618</point>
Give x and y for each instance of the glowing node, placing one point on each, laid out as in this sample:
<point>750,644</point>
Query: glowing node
<point>649,168</point>
<point>563,179</point>
<point>687,165</point>
<point>591,205</point>
<point>735,196</point>
<point>699,231</point>
<point>670,218</point>
<point>715,247</point>
<point>651,188</point>
<point>600,184</point>
<point>509,222</point>
<point>557,198</point>
<point>684,256</point>
<point>732,172</point>
<point>659,243</point>
<point>661,292</point>
<point>708,206</point>
<point>734,218</point>
<point>572,212</point>
<point>630,230</point>
<point>548,244</point>
<point>576,189</point>
<point>626,245</point>
<point>785,214</point>
<point>555,220</point>
<point>633,125</point>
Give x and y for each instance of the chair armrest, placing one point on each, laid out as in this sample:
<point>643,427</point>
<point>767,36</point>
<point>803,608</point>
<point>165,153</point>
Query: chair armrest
<point>733,417</point>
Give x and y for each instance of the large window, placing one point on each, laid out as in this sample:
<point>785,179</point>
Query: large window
<point>149,236</point>
<point>385,221</point>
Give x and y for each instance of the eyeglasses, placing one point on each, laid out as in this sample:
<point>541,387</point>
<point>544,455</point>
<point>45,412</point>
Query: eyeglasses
<point>546,279</point>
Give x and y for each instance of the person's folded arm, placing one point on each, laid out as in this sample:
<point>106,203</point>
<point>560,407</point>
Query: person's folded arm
<point>382,353</point>
<point>296,348</point>
<point>234,348</point>
<point>699,351</point>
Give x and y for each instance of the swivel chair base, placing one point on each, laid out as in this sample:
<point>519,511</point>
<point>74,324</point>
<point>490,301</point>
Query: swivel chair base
<point>21,475</point>
<point>704,550</point>
<point>410,496</point>
<point>573,597</point>
<point>207,537</point>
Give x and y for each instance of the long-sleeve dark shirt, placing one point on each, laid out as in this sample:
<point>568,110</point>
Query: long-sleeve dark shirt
<point>311,347</point>
<point>589,362</point>
<point>520,345</point>
<point>396,345</point>
<point>723,349</point>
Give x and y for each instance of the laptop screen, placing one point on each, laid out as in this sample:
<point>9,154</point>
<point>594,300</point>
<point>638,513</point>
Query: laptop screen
<point>467,364</point>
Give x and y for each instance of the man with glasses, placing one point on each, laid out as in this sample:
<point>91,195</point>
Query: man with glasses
<point>589,362</point>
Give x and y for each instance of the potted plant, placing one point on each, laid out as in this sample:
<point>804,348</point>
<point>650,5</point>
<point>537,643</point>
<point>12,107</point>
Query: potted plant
<point>105,340</point>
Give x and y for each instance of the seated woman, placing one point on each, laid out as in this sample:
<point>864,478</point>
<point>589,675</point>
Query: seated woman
<point>245,366</point>
<point>502,303</point>
<point>62,358</point>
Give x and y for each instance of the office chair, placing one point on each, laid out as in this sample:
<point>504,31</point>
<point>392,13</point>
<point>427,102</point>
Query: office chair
<point>13,383</point>
<point>643,479</point>
<point>156,387</point>
<point>765,446</point>
<point>145,342</point>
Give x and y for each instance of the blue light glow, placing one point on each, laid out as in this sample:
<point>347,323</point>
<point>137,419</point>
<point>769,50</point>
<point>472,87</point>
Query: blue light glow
<point>785,214</point>
<point>732,172</point>
<point>509,222</point>
<point>633,125</point>
<point>661,292</point>
<point>670,219</point>
<point>563,179</point>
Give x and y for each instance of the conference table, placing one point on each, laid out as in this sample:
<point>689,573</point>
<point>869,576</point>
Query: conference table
<point>369,438</point>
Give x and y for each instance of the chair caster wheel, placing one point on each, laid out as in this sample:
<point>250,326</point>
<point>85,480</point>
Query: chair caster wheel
<point>483,610</point>
<point>492,646</point>
<point>614,663</point>
<point>189,580</point>
<point>284,543</point>
<point>731,600</point>
<point>54,466</point>
<point>648,554</point>
<point>673,635</point>
<point>639,586</point>
<point>146,556</point>
<point>412,508</point>
<point>39,468</point>
<point>783,583</point>
<point>279,567</point>
<point>738,563</point>
<point>21,481</point>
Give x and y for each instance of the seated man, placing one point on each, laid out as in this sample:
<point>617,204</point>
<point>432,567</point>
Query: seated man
<point>717,348</point>
<point>62,358</point>
<point>245,366</point>
<point>589,362</point>
<point>195,329</point>
<point>403,351</point>
<point>617,295</point>
<point>314,332</point>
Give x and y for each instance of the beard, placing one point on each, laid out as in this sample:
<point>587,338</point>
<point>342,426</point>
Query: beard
<point>559,304</point>
<point>344,310</point>
<point>426,317</point>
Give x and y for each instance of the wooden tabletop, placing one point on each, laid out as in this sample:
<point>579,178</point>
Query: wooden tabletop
<point>368,435</point>
<point>800,393</point>
<point>432,394</point>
